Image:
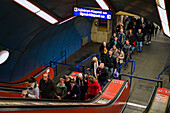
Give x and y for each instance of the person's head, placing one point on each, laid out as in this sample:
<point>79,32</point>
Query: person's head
<point>105,49</point>
<point>104,43</point>
<point>80,76</point>
<point>120,23</point>
<point>134,23</point>
<point>91,78</point>
<point>115,38</point>
<point>101,65</point>
<point>143,25</point>
<point>114,34</point>
<point>72,83</point>
<point>114,47</point>
<point>66,78</point>
<point>110,52</point>
<point>94,59</point>
<point>139,30</point>
<point>127,42</point>
<point>130,31</point>
<point>45,76</point>
<point>121,30</point>
<point>61,81</point>
<point>29,82</point>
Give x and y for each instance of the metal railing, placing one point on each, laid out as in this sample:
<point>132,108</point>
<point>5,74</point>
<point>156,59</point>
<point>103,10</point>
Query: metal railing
<point>77,66</point>
<point>162,72</point>
<point>87,59</point>
<point>132,72</point>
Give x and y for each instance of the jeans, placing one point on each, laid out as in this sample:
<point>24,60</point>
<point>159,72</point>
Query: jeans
<point>139,46</point>
<point>149,37</point>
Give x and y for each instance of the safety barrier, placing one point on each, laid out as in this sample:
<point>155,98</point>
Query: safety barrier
<point>77,66</point>
<point>132,72</point>
<point>162,72</point>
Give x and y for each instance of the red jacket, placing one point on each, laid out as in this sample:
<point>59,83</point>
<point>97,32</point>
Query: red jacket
<point>94,88</point>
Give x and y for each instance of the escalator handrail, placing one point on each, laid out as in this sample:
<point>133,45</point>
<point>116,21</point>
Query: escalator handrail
<point>50,106</point>
<point>151,99</point>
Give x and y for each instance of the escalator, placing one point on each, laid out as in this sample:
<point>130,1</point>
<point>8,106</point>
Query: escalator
<point>159,102</point>
<point>113,99</point>
<point>14,88</point>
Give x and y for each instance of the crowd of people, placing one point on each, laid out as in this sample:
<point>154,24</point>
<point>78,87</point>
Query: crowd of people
<point>128,38</point>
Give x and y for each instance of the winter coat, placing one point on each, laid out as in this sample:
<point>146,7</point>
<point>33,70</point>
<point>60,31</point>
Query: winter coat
<point>139,37</point>
<point>47,89</point>
<point>103,76</point>
<point>127,49</point>
<point>121,57</point>
<point>61,91</point>
<point>76,90</point>
<point>94,87</point>
<point>33,92</point>
<point>111,62</point>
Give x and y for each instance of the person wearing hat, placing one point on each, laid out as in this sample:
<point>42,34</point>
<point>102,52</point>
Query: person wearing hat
<point>94,65</point>
<point>74,91</point>
<point>83,84</point>
<point>93,87</point>
<point>102,75</point>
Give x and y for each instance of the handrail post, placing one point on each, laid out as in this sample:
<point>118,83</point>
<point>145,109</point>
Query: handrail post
<point>51,63</point>
<point>131,67</point>
<point>161,83</point>
<point>83,71</point>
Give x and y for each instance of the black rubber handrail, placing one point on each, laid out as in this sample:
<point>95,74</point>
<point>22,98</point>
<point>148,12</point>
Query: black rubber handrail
<point>151,100</point>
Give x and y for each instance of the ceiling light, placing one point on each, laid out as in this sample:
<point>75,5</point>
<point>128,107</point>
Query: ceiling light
<point>28,5</point>
<point>46,17</point>
<point>162,3</point>
<point>166,29</point>
<point>163,15</point>
<point>67,19</point>
<point>4,54</point>
<point>102,4</point>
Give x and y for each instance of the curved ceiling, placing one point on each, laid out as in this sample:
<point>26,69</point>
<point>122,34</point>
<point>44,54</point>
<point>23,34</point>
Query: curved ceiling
<point>28,37</point>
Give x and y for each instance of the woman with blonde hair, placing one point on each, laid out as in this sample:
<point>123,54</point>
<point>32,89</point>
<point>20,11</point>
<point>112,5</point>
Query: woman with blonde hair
<point>94,65</point>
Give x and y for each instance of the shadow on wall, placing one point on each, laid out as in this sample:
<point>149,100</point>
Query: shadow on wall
<point>47,44</point>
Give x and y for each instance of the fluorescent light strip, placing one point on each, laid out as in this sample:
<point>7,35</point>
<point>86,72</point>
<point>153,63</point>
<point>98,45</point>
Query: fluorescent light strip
<point>67,19</point>
<point>166,29</point>
<point>162,3</point>
<point>163,15</point>
<point>46,17</point>
<point>102,4</point>
<point>28,5</point>
<point>31,7</point>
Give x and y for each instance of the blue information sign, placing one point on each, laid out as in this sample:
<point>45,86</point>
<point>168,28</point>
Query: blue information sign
<point>93,13</point>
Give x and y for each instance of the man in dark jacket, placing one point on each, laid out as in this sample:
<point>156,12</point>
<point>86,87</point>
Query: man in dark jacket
<point>82,82</point>
<point>103,45</point>
<point>127,49</point>
<point>102,75</point>
<point>74,91</point>
<point>47,87</point>
<point>111,63</point>
<point>139,37</point>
